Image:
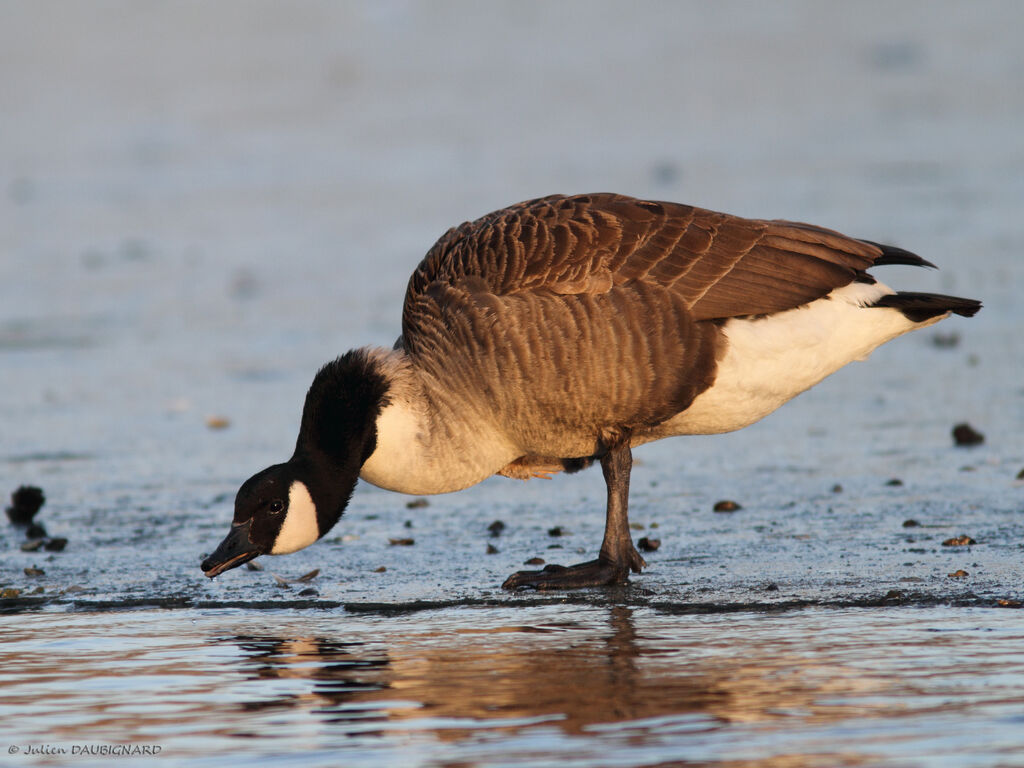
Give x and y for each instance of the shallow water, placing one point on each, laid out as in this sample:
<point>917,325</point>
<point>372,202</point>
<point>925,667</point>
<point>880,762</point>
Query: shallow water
<point>533,686</point>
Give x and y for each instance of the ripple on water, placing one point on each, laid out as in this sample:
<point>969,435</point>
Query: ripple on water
<point>524,686</point>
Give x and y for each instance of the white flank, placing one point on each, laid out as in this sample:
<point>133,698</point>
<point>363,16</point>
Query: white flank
<point>300,528</point>
<point>771,360</point>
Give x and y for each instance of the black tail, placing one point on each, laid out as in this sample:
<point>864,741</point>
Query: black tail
<point>918,307</point>
<point>893,255</point>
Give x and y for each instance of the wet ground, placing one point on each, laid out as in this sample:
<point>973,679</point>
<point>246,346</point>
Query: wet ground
<point>199,206</point>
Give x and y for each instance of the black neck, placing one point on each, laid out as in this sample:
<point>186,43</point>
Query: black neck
<point>339,431</point>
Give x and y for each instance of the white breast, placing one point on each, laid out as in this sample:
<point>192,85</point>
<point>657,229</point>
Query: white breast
<point>412,457</point>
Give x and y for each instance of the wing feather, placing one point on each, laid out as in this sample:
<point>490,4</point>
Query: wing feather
<point>720,265</point>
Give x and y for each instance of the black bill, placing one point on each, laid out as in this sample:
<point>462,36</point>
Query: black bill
<point>232,552</point>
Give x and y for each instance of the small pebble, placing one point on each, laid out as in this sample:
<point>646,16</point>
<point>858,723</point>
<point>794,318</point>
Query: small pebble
<point>556,531</point>
<point>959,541</point>
<point>946,340</point>
<point>837,488</point>
<point>965,434</point>
<point>417,504</point>
<point>535,561</point>
<point>8,593</point>
<point>401,542</point>
<point>56,544</point>
<point>217,422</point>
<point>491,549</point>
<point>25,502</point>
<point>894,482</point>
<point>773,587</point>
<point>911,523</point>
<point>1020,475</point>
<point>301,579</point>
<point>408,523</point>
<point>637,526</point>
<point>960,573</point>
<point>893,594</point>
<point>31,545</point>
<point>726,506</point>
<point>309,592</point>
<point>1005,603</point>
<point>33,571</point>
<point>380,569</point>
<point>496,528</point>
<point>649,545</point>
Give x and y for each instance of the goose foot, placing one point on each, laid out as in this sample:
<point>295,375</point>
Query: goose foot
<point>618,555</point>
<point>595,573</point>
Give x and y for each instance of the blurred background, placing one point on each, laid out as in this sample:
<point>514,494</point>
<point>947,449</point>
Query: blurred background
<point>200,203</point>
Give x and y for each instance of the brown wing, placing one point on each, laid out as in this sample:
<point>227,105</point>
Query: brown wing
<point>720,265</point>
<point>566,317</point>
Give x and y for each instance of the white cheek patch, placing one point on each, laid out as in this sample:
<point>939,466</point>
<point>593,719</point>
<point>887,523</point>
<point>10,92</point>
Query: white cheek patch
<point>300,528</point>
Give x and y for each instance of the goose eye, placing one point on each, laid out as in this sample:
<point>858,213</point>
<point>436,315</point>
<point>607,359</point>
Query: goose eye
<point>276,507</point>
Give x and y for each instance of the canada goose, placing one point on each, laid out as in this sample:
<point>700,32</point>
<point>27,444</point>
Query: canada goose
<point>567,330</point>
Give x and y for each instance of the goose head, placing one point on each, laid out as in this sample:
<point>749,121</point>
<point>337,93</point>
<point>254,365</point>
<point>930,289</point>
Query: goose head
<point>286,507</point>
<point>277,513</point>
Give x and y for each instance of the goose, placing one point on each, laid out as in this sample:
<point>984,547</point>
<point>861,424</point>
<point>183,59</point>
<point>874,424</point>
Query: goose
<point>568,330</point>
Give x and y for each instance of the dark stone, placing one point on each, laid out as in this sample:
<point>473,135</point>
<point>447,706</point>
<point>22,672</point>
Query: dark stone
<point>726,506</point>
<point>959,541</point>
<point>25,502</point>
<point>965,434</point>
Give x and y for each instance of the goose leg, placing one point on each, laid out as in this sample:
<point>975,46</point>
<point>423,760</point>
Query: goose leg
<point>618,555</point>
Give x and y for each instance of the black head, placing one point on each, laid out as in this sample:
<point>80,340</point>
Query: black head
<point>274,514</point>
<point>289,506</point>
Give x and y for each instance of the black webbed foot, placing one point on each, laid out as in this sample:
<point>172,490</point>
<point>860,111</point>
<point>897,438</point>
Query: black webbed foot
<point>618,555</point>
<point>594,573</point>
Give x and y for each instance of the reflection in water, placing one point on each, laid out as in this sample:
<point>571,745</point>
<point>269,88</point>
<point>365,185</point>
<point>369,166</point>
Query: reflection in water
<point>506,677</point>
<point>339,671</point>
<point>553,685</point>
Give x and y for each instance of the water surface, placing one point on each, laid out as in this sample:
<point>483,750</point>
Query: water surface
<point>529,686</point>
